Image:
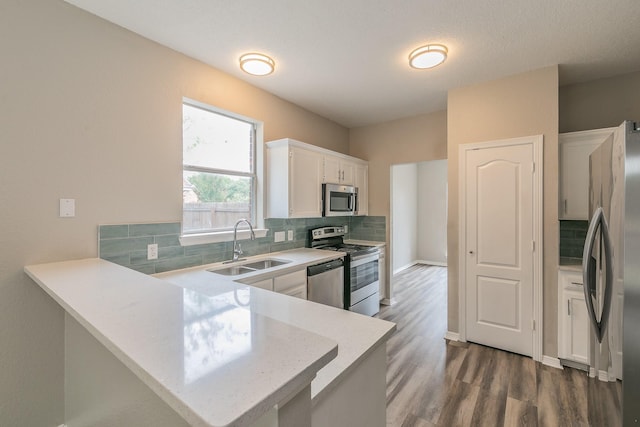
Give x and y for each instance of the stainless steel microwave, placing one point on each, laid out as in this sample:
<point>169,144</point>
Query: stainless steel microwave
<point>339,200</point>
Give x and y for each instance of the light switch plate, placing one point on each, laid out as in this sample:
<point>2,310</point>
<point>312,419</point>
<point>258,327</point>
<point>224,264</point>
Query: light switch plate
<point>278,236</point>
<point>67,208</point>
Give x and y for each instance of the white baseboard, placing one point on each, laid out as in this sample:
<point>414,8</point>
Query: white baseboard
<point>404,267</point>
<point>436,263</point>
<point>554,362</point>
<point>602,375</point>
<point>419,261</point>
<point>452,336</point>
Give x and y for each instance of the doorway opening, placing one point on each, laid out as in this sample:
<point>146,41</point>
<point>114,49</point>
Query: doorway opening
<point>418,222</point>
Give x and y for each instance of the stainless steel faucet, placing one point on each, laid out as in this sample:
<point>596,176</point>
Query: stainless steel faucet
<point>237,249</point>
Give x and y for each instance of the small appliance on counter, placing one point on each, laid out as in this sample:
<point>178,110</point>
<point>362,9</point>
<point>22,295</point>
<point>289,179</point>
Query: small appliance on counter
<point>361,282</point>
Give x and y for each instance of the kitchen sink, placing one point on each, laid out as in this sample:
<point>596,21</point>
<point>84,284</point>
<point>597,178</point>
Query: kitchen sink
<point>237,269</point>
<point>265,263</point>
<point>232,271</point>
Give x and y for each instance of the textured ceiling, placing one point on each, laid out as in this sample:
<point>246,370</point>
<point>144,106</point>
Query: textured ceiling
<point>347,59</point>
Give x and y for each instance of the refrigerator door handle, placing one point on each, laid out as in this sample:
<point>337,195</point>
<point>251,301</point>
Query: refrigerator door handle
<point>589,272</point>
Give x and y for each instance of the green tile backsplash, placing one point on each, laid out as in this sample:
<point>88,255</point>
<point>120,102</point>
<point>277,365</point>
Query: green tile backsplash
<point>126,244</point>
<point>572,237</point>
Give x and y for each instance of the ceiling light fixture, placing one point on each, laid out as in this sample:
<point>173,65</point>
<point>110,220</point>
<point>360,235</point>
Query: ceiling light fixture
<point>257,64</point>
<point>428,56</point>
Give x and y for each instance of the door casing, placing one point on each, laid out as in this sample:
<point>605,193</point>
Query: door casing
<point>536,141</point>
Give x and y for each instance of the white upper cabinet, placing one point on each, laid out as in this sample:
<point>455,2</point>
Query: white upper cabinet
<point>339,171</point>
<point>294,182</point>
<point>574,151</point>
<point>296,172</point>
<point>361,181</point>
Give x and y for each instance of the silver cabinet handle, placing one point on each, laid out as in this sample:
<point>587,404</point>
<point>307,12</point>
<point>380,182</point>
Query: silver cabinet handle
<point>568,307</point>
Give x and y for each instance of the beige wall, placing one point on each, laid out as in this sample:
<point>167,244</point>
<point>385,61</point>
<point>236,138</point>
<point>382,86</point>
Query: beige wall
<point>600,103</point>
<point>92,112</point>
<point>521,105</point>
<point>413,139</point>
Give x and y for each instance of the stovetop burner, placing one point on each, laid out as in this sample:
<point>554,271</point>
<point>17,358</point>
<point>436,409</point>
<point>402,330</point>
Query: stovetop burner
<point>331,239</point>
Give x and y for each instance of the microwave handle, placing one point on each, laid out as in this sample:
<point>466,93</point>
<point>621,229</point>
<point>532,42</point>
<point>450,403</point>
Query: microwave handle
<point>354,203</point>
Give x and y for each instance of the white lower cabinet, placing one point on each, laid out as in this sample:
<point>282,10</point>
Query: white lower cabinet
<point>264,284</point>
<point>573,320</point>
<point>293,284</point>
<point>381,274</point>
<point>298,292</point>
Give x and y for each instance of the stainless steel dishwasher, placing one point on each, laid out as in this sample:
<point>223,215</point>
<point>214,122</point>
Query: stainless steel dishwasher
<point>325,283</point>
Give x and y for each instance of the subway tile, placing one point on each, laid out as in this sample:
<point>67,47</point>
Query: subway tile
<point>113,231</point>
<point>119,259</point>
<point>126,244</point>
<point>178,263</point>
<point>212,248</point>
<point>217,257</point>
<point>144,268</point>
<point>140,257</point>
<point>123,246</point>
<point>167,240</point>
<point>156,229</point>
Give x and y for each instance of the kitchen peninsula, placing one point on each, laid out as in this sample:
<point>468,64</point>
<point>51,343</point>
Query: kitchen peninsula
<point>200,349</point>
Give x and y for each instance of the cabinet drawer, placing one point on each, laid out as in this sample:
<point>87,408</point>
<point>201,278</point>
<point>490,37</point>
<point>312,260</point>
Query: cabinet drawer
<point>286,281</point>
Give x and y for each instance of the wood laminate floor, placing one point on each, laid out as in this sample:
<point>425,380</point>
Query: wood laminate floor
<point>432,382</point>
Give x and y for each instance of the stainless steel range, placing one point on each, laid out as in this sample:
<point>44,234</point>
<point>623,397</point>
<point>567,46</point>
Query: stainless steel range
<point>361,282</point>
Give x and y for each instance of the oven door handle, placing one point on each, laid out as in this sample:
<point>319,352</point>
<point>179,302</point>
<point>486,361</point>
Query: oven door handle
<point>355,262</point>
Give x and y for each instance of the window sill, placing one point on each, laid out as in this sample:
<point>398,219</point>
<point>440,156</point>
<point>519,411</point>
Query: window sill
<point>222,236</point>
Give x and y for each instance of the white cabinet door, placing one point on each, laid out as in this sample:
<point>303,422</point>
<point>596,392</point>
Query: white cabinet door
<point>332,172</point>
<point>290,280</point>
<point>348,172</point>
<point>362,183</point>
<point>298,292</point>
<point>339,171</point>
<point>305,179</point>
<point>264,284</point>
<point>573,321</point>
<point>575,148</point>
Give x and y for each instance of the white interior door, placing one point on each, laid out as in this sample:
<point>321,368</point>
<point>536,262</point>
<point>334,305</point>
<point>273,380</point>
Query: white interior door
<point>499,246</point>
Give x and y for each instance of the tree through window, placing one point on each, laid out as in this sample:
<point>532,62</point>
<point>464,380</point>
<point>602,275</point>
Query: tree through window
<point>218,162</point>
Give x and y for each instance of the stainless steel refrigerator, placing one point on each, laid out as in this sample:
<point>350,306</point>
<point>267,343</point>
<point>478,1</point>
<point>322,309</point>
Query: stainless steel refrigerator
<point>611,264</point>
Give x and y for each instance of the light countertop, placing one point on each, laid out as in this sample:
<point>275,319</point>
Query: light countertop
<point>357,335</point>
<point>217,351</point>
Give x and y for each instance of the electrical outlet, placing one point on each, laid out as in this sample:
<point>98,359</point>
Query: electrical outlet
<point>152,251</point>
<point>346,228</point>
<point>290,235</point>
<point>278,236</point>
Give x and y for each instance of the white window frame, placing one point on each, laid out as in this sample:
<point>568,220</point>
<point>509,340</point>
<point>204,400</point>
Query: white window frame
<point>188,239</point>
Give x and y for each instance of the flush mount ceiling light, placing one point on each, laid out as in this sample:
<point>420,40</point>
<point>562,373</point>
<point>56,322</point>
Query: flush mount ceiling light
<point>257,64</point>
<point>428,56</point>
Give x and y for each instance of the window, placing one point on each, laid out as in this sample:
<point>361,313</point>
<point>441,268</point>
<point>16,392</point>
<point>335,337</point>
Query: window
<point>218,169</point>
